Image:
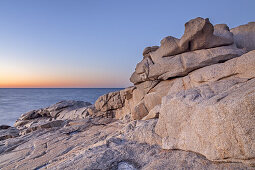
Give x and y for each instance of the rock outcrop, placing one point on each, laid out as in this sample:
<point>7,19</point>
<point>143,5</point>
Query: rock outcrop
<point>97,143</point>
<point>215,114</point>
<point>60,110</point>
<point>192,106</point>
<point>218,124</point>
<point>199,34</point>
<point>182,64</point>
<point>205,65</point>
<point>53,116</point>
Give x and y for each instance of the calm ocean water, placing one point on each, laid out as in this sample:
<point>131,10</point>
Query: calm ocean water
<point>14,102</point>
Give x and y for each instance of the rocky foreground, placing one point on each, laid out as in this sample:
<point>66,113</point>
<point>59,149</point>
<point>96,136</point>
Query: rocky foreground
<point>192,106</point>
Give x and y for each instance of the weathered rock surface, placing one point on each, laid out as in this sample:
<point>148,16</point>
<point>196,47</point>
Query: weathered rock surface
<point>68,109</point>
<point>215,117</point>
<point>244,36</point>
<point>148,50</point>
<point>53,116</point>
<point>202,44</point>
<point>98,143</point>
<point>153,114</point>
<point>9,132</point>
<point>236,70</point>
<point>142,131</point>
<point>139,111</point>
<point>199,34</point>
<point>219,126</point>
<point>113,100</point>
<point>110,101</point>
<point>182,64</point>
<point>60,110</point>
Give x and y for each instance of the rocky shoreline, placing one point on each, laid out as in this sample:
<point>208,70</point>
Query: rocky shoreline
<point>192,106</point>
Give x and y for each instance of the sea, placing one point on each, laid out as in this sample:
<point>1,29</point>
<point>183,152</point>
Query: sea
<point>16,101</point>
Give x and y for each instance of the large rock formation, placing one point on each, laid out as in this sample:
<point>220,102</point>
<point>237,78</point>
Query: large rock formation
<point>215,113</point>
<point>192,103</point>
<point>199,34</point>
<point>209,66</point>
<point>182,64</point>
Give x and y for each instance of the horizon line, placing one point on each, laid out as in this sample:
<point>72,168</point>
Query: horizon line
<point>62,87</point>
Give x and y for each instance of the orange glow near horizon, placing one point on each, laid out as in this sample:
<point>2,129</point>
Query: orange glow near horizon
<point>56,81</point>
<point>55,84</point>
<point>41,84</point>
<point>18,73</point>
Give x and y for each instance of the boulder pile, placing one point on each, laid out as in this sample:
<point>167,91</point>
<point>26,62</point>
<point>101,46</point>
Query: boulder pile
<point>192,106</point>
<point>201,90</point>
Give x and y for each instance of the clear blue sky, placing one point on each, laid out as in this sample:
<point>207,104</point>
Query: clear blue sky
<point>96,43</point>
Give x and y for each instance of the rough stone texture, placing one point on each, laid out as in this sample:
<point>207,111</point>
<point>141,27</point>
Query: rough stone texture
<point>182,64</point>
<point>39,124</point>
<point>98,143</point>
<point>113,100</point>
<point>219,126</point>
<point>10,132</point>
<point>132,105</point>
<point>222,32</point>
<point>56,115</point>
<point>214,114</point>
<point>147,50</point>
<point>139,111</point>
<point>147,86</point>
<point>117,104</point>
<point>144,100</point>
<point>142,131</point>
<point>237,70</point>
<point>154,113</point>
<point>197,48</point>
<point>201,45</point>
<point>168,46</point>
<point>244,36</point>
<point>142,71</point>
<point>109,101</point>
<point>61,110</point>
<point>199,34</point>
<point>151,100</point>
<point>152,95</point>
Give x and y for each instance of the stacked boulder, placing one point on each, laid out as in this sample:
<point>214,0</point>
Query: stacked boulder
<point>200,88</point>
<point>201,45</point>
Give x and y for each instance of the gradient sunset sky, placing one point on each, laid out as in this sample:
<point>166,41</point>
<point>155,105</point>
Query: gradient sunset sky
<point>95,43</point>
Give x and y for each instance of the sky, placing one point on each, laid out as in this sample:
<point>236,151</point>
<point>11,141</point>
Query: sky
<point>94,43</point>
